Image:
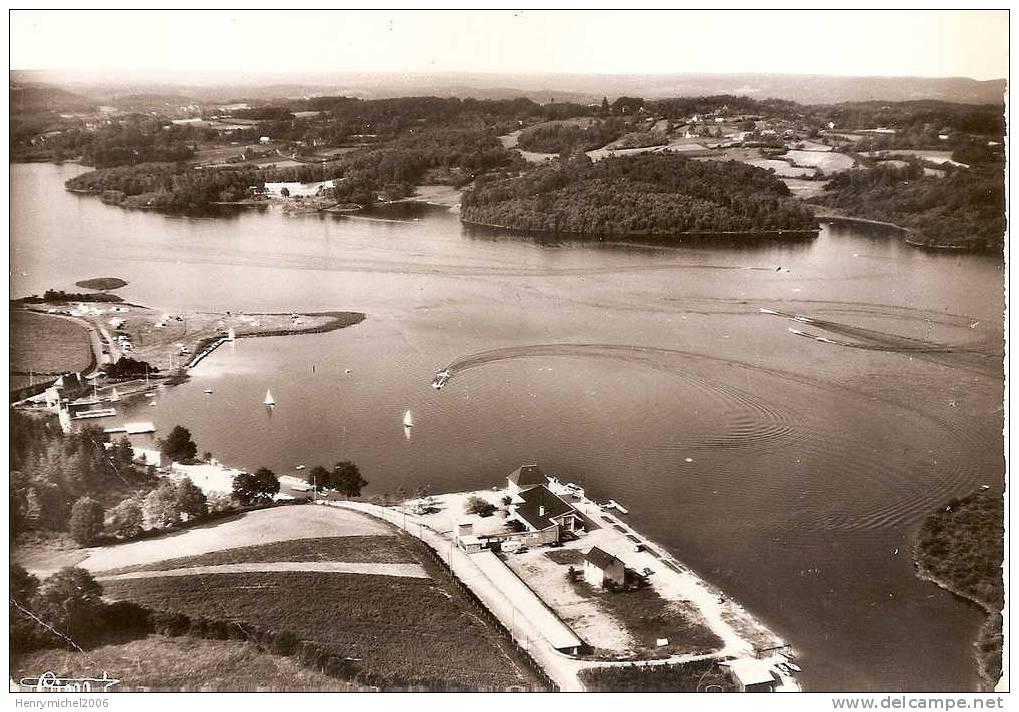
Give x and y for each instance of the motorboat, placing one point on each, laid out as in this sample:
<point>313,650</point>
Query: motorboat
<point>440,379</point>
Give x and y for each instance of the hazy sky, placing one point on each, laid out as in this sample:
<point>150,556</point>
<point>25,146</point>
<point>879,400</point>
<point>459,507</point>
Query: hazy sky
<point>922,43</point>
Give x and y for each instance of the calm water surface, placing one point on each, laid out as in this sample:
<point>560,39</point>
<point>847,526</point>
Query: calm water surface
<point>790,469</point>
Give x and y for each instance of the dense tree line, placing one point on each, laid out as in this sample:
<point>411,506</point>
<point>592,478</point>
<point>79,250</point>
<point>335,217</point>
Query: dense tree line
<point>566,137</point>
<point>389,170</point>
<point>180,187</point>
<point>650,194</point>
<point>965,208</point>
<point>59,296</point>
<point>50,471</point>
<point>685,107</point>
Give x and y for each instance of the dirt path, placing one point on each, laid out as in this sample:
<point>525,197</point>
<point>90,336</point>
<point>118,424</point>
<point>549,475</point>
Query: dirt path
<point>262,527</point>
<point>325,567</point>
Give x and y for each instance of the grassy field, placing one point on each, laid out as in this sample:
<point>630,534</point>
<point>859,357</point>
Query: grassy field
<point>354,549</point>
<point>180,664</point>
<point>267,526</point>
<point>647,616</point>
<point>46,345</point>
<point>829,162</point>
<point>401,630</point>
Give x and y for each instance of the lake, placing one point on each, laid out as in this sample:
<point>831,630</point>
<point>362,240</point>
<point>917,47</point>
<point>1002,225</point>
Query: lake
<point>791,469</point>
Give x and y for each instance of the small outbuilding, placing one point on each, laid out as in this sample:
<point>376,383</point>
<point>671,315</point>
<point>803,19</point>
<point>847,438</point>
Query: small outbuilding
<point>752,675</point>
<point>601,568</point>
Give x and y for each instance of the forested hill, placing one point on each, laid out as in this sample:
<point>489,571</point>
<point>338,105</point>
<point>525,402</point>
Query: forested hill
<point>963,210</point>
<point>647,195</point>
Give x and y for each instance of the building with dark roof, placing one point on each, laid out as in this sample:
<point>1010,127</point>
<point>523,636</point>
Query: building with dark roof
<point>536,507</point>
<point>525,476</point>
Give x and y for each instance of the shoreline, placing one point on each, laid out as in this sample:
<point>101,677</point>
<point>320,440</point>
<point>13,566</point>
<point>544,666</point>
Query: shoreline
<point>592,236</point>
<point>986,627</point>
<point>740,633</point>
<point>908,236</point>
<point>151,344</point>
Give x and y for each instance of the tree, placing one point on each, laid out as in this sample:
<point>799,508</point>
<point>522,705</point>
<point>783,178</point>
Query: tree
<point>178,445</point>
<point>71,601</point>
<point>346,478</point>
<point>126,519</point>
<point>122,452</point>
<point>24,632</point>
<point>285,192</point>
<point>127,367</point>
<point>190,500</point>
<point>605,105</point>
<point>320,477</point>
<point>476,505</point>
<point>160,505</point>
<point>261,486</point>
<point>221,502</point>
<point>86,522</point>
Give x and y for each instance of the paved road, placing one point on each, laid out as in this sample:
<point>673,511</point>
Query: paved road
<point>561,668</point>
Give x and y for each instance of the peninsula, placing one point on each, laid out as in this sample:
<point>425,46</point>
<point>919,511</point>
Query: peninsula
<point>647,195</point>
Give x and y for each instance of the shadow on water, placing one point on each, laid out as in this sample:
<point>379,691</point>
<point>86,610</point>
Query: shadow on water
<point>743,242</point>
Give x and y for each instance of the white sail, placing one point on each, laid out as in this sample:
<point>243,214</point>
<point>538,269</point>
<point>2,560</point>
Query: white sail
<point>114,397</point>
<point>408,421</point>
<point>268,398</point>
<point>230,335</point>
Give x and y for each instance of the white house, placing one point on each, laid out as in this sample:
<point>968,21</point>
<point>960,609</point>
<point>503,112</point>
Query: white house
<point>601,567</point>
<point>752,675</point>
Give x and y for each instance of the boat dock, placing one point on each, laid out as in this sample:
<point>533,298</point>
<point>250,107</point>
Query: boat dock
<point>98,413</point>
<point>200,356</point>
<point>132,428</point>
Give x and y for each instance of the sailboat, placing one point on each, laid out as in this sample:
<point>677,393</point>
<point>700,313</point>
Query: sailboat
<point>114,397</point>
<point>230,334</point>
<point>408,421</point>
<point>269,399</point>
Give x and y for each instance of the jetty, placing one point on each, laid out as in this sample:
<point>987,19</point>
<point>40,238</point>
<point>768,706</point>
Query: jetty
<point>98,413</point>
<point>133,428</point>
<point>208,349</point>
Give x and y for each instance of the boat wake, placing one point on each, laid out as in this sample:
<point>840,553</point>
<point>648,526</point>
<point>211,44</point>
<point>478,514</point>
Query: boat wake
<point>973,355</point>
<point>749,420</point>
<point>895,493</point>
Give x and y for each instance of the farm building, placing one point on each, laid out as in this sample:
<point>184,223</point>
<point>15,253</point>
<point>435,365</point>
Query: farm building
<point>601,567</point>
